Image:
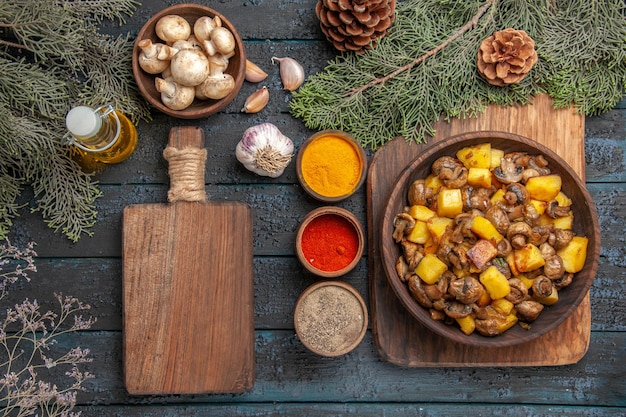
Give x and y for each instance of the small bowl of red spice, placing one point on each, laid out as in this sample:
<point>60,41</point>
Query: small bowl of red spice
<point>331,165</point>
<point>330,241</point>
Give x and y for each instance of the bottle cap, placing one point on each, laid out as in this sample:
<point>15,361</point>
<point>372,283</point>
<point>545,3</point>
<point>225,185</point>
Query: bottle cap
<point>83,122</point>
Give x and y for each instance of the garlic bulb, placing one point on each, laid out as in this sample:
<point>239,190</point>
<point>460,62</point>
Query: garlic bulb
<point>264,150</point>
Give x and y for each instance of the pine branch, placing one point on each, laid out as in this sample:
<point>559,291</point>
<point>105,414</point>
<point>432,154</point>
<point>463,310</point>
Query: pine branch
<point>419,73</point>
<point>468,26</point>
<point>53,57</point>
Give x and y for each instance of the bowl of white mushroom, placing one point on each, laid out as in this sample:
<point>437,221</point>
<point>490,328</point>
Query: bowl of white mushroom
<point>189,61</point>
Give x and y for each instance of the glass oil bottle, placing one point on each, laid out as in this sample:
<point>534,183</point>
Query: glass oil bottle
<point>99,136</point>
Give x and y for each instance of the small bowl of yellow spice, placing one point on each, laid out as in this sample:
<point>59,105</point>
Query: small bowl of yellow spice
<point>331,165</point>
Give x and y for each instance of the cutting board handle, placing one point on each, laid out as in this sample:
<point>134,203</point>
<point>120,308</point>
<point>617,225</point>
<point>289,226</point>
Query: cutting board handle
<point>186,156</point>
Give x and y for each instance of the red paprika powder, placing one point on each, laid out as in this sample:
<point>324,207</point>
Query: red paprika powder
<point>329,242</point>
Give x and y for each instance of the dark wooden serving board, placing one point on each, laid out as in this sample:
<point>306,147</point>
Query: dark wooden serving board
<point>399,338</point>
<point>188,295</point>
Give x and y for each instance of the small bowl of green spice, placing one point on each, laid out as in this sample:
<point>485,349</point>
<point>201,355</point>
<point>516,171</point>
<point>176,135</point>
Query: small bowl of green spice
<point>331,165</point>
<point>330,241</point>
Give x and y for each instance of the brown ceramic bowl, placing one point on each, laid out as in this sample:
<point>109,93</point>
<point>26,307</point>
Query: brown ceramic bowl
<point>354,148</point>
<point>349,222</point>
<point>330,318</point>
<point>585,224</point>
<point>199,108</point>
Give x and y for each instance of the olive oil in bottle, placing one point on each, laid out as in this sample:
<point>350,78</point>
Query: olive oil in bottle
<point>100,136</point>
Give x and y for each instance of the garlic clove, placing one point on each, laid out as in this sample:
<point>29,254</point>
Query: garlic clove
<point>254,74</point>
<point>291,73</point>
<point>256,101</point>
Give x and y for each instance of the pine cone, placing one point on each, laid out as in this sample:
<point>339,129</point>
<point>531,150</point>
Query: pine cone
<point>355,25</point>
<point>506,57</point>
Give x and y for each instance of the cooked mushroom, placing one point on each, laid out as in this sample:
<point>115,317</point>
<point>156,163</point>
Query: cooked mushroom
<point>546,250</point>
<point>466,290</point>
<point>402,269</point>
<point>417,291</point>
<point>457,310</point>
<point>555,211</point>
<point>451,171</point>
<point>539,235</point>
<point>503,266</point>
<point>479,198</point>
<point>437,291</point>
<point>529,173</point>
<point>542,287</point>
<point>553,268</point>
<point>498,218</point>
<point>403,224</point>
<point>561,238</point>
<point>529,310</point>
<point>531,214</point>
<point>518,234</point>
<point>488,327</point>
<point>457,256</point>
<point>564,281</point>
<point>518,293</point>
<point>412,254</point>
<point>509,171</point>
<point>462,230</point>
<point>419,193</point>
<point>436,314</point>
<point>504,248</point>
<point>539,164</point>
<point>516,193</point>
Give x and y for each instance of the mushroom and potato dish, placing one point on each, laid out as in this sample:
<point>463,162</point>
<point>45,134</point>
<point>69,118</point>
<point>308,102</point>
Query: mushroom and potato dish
<point>486,239</point>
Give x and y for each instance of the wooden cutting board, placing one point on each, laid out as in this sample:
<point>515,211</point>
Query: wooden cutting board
<point>399,338</point>
<point>188,297</point>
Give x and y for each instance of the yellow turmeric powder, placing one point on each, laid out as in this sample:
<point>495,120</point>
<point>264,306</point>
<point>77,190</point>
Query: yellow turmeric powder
<point>331,166</point>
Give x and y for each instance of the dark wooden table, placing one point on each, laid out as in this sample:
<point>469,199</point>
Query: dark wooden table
<point>290,380</point>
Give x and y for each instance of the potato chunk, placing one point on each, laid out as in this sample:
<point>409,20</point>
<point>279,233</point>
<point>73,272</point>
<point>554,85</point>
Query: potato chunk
<point>528,258</point>
<point>430,269</point>
<point>449,202</point>
<point>419,212</point>
<point>479,177</point>
<point>495,283</point>
<point>574,254</point>
<point>481,253</point>
<point>419,233</point>
<point>437,226</point>
<point>477,156</point>
<point>486,230</point>
<point>544,187</point>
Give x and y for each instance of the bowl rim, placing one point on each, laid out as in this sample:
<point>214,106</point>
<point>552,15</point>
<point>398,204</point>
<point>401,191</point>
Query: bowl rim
<point>418,312</point>
<point>337,211</point>
<point>212,106</point>
<point>345,286</point>
<point>359,151</point>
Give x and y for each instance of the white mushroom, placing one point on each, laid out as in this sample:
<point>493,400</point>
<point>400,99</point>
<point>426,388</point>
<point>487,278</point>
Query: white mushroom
<point>171,28</point>
<point>190,67</point>
<point>189,43</point>
<point>218,84</point>
<point>221,41</point>
<point>205,25</point>
<point>174,95</point>
<point>149,59</point>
